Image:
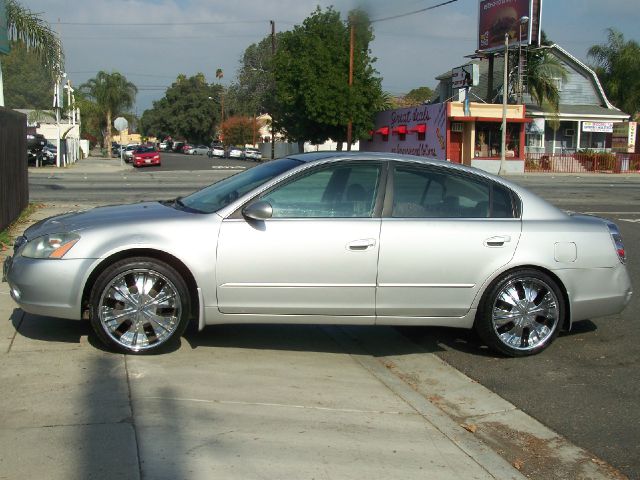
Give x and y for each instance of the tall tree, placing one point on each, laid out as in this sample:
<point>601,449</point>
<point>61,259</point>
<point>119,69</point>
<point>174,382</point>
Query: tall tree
<point>543,72</point>
<point>617,64</point>
<point>36,34</point>
<point>417,96</point>
<point>113,94</point>
<point>190,109</point>
<point>250,94</point>
<point>313,101</point>
<point>27,83</point>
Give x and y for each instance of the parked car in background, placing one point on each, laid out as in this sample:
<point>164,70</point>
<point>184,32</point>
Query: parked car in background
<point>115,148</point>
<point>396,240</point>
<point>186,147</point>
<point>128,151</point>
<point>50,151</point>
<point>163,146</point>
<point>177,147</point>
<point>235,152</point>
<point>216,151</point>
<point>146,156</point>
<point>198,150</point>
<point>253,154</point>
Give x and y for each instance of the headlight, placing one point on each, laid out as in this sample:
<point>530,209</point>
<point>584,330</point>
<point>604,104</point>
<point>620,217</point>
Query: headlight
<point>50,246</point>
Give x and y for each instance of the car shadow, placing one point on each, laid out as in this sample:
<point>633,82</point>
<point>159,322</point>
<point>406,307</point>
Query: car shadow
<point>378,341</point>
<point>48,329</point>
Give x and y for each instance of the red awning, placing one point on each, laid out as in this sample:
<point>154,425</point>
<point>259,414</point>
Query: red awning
<point>399,130</point>
<point>383,131</point>
<point>420,128</point>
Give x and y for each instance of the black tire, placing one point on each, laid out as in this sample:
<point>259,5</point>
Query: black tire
<point>156,298</point>
<point>521,313</point>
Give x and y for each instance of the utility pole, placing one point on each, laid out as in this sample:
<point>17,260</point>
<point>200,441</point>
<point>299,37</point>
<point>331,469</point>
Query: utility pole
<point>351,42</point>
<point>273,53</point>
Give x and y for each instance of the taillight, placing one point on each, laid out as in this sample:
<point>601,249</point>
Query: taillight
<point>617,241</point>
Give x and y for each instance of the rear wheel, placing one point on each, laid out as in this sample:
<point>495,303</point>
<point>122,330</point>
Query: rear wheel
<point>139,305</point>
<point>521,313</point>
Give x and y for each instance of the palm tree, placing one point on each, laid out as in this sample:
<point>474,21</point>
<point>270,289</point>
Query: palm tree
<point>113,94</point>
<point>543,72</point>
<point>35,33</point>
<point>617,64</point>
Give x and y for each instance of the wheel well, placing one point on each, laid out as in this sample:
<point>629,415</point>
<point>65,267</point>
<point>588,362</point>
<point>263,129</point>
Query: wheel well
<point>566,321</point>
<point>143,252</point>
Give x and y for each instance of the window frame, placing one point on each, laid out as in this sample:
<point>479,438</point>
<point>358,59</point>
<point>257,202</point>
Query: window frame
<point>387,212</point>
<point>378,202</point>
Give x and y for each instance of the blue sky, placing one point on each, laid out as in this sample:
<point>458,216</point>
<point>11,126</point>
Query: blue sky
<point>190,36</point>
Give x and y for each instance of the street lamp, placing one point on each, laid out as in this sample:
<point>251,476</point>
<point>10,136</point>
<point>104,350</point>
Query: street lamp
<point>523,21</point>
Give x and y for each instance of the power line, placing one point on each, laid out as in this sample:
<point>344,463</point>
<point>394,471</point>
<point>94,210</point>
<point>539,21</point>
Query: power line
<point>393,17</point>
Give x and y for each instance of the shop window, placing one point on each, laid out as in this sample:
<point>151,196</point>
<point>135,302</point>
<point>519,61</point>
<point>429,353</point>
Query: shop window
<point>535,140</point>
<point>489,139</point>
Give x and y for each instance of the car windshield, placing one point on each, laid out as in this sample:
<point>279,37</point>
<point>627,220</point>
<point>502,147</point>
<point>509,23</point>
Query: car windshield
<point>145,149</point>
<point>214,197</point>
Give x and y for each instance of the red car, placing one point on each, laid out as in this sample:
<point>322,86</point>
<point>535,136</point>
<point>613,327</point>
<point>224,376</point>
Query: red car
<point>146,156</point>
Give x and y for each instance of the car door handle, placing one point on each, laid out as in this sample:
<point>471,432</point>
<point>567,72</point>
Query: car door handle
<point>498,241</point>
<point>362,244</point>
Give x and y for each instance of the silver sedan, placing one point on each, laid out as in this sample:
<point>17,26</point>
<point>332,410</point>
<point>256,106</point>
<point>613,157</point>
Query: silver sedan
<point>343,238</point>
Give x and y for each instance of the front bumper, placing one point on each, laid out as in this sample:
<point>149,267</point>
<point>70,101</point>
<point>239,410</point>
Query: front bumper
<point>47,287</point>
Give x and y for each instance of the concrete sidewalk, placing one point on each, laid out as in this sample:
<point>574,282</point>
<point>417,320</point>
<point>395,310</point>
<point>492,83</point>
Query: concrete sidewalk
<point>246,401</point>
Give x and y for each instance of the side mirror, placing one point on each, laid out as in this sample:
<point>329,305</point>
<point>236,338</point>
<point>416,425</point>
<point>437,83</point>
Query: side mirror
<point>259,210</point>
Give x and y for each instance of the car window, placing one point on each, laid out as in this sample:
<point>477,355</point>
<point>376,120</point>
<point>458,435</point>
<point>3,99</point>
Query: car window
<point>336,191</point>
<point>214,197</point>
<point>434,193</point>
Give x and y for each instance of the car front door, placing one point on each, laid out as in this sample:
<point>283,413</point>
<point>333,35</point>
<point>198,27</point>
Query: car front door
<point>316,255</point>
<point>442,236</point>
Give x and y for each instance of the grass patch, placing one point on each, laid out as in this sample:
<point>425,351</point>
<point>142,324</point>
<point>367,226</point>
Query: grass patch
<point>6,235</point>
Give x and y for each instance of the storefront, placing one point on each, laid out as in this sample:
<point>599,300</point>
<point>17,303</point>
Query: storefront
<point>444,132</point>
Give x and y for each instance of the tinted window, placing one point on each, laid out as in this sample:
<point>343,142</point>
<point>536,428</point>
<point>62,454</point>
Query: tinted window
<point>435,193</point>
<point>337,191</point>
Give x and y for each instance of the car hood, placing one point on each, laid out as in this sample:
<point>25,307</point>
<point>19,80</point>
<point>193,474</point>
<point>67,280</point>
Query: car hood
<point>103,217</point>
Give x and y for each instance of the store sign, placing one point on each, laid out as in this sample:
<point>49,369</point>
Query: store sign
<point>598,127</point>
<point>624,137</point>
<point>499,17</point>
<point>465,76</point>
<point>426,132</point>
<point>4,37</point>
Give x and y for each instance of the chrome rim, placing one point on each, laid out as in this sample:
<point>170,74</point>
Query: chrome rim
<point>525,313</point>
<point>140,309</point>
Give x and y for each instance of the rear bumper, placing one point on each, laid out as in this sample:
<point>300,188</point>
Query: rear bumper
<point>596,292</point>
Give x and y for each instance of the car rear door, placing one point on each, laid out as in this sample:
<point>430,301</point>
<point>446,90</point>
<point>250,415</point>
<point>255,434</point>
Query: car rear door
<point>442,235</point>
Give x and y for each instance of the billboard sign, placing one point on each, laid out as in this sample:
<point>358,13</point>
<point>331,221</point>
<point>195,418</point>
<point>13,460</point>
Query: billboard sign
<point>499,17</point>
<point>4,37</point>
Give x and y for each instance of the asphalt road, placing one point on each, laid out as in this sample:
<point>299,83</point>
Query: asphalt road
<point>585,386</point>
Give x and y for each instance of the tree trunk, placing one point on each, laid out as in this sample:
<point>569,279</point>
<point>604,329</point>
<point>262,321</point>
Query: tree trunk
<point>300,146</point>
<point>339,146</point>
<point>108,139</point>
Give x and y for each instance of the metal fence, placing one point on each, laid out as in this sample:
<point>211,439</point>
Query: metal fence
<point>583,163</point>
<point>14,182</point>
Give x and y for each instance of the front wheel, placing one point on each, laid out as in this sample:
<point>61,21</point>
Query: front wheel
<point>521,312</point>
<point>139,305</point>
